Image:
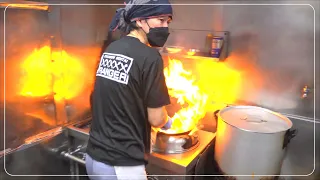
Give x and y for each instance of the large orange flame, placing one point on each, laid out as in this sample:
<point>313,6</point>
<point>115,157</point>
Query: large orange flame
<point>51,72</point>
<point>216,86</point>
<point>181,86</point>
<point>205,88</point>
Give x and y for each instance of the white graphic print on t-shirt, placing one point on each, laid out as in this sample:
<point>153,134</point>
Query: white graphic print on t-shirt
<point>115,67</point>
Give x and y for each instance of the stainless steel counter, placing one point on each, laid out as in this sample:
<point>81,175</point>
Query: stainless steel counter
<point>160,164</point>
<point>180,164</point>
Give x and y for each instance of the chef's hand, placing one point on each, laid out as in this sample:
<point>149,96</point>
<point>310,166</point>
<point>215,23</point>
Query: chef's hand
<point>168,124</point>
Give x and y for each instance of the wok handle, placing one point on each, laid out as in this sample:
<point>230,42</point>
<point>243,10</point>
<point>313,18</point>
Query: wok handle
<point>288,136</point>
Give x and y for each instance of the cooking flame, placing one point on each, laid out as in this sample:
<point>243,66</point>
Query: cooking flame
<point>207,88</point>
<point>217,85</point>
<point>47,72</point>
<point>181,86</point>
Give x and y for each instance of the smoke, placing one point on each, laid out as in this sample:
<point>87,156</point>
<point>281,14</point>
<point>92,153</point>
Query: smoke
<point>284,49</point>
<point>272,46</point>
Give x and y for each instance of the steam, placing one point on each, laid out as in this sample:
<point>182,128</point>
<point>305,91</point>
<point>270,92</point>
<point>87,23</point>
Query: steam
<point>272,46</point>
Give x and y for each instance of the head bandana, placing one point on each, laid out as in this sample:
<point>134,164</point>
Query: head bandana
<point>137,10</point>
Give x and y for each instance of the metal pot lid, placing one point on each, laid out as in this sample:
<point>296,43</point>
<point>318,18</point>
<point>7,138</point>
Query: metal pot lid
<point>255,119</point>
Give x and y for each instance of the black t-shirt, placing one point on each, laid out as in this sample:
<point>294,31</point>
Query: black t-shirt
<point>128,80</point>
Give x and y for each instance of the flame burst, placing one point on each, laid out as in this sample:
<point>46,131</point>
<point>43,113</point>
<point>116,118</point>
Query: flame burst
<point>216,86</point>
<point>182,87</point>
<point>56,72</point>
<point>48,72</point>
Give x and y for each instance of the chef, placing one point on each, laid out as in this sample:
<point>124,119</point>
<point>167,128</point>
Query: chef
<point>130,93</point>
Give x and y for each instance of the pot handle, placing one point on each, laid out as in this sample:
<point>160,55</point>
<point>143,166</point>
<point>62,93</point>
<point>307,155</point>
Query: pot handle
<point>215,114</point>
<point>288,136</point>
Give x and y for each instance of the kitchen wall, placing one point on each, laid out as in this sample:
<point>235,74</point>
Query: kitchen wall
<point>82,31</point>
<point>272,46</point>
<point>78,30</point>
<point>275,42</point>
<point>25,31</point>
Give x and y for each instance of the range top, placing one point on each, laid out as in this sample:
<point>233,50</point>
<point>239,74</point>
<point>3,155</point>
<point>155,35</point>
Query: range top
<point>174,143</point>
<point>182,163</point>
<point>159,163</point>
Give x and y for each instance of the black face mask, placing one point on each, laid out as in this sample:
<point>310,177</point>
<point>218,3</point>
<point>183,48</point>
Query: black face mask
<point>157,37</point>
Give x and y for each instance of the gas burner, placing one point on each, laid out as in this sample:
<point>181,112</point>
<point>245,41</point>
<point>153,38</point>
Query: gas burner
<point>195,148</point>
<point>175,143</point>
